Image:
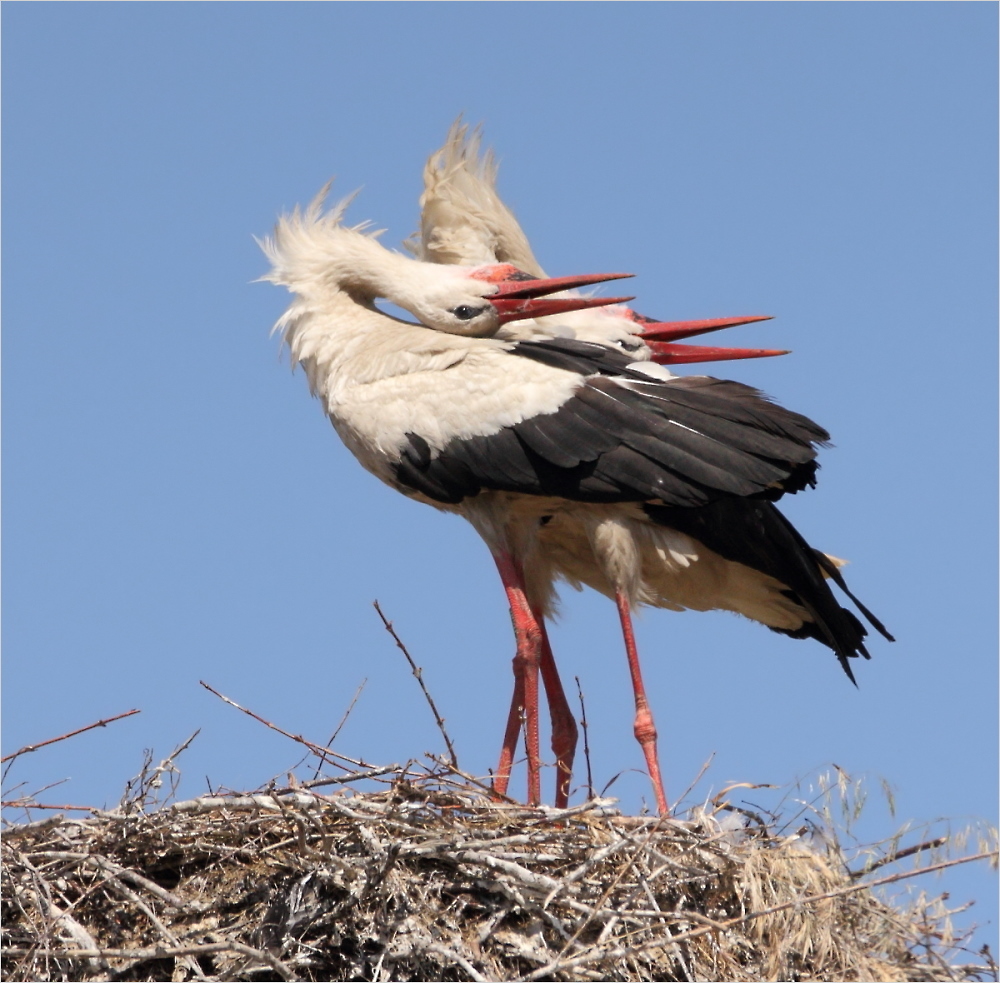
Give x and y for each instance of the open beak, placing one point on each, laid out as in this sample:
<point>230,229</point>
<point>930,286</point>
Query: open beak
<point>661,336</point>
<point>520,295</point>
<point>517,299</point>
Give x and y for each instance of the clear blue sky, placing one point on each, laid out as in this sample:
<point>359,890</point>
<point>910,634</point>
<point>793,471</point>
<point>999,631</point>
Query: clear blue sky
<point>178,508</point>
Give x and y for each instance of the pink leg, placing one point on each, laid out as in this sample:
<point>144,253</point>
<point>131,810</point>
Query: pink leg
<point>564,732</point>
<point>501,777</point>
<point>528,634</point>
<point>645,729</point>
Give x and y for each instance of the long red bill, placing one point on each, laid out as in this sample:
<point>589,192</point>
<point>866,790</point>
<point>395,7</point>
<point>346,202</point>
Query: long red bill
<point>667,353</point>
<point>519,308</point>
<point>521,296</point>
<point>514,285</point>
<point>675,330</point>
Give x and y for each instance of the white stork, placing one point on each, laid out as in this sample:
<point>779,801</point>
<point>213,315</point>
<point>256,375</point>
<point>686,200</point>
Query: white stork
<point>557,449</point>
<point>464,221</point>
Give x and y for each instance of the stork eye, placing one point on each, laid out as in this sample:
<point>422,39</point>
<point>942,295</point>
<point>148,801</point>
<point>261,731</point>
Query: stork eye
<point>466,313</point>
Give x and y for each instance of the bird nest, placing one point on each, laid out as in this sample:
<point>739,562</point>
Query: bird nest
<point>428,877</point>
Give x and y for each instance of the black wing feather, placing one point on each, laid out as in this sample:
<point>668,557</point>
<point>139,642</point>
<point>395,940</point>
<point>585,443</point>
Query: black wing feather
<point>705,456</point>
<point>624,437</point>
<point>745,404</point>
<point>565,442</point>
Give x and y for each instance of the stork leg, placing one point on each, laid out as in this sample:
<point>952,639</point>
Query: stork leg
<point>564,733</point>
<point>644,728</point>
<point>501,777</point>
<point>528,634</point>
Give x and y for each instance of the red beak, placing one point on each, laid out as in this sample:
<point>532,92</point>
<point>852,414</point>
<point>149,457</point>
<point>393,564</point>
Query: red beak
<point>675,330</point>
<point>521,296</point>
<point>661,335</point>
<point>671,354</point>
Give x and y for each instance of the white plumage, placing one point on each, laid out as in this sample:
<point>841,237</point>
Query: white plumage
<point>572,454</point>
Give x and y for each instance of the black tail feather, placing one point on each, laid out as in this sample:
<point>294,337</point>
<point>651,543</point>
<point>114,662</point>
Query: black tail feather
<point>830,568</point>
<point>751,531</point>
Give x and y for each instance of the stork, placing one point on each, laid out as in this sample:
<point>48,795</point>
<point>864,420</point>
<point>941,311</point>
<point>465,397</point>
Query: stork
<point>557,448</point>
<point>464,221</point>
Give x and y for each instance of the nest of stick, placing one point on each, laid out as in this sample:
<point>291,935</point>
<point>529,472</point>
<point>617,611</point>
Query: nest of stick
<point>430,878</point>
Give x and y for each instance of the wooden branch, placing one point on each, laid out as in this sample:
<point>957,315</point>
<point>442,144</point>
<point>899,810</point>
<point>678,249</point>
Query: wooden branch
<point>472,780</point>
<point>159,952</point>
<point>321,752</point>
<point>340,726</point>
<point>353,776</point>
<point>586,740</point>
<point>62,737</point>
<point>29,804</point>
<point>419,674</point>
<point>900,855</point>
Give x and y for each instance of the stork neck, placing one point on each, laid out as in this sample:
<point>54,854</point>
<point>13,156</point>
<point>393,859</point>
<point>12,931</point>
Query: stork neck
<point>368,271</point>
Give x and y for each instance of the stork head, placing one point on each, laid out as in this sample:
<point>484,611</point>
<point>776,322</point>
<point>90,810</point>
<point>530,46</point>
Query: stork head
<point>326,263</point>
<point>476,301</point>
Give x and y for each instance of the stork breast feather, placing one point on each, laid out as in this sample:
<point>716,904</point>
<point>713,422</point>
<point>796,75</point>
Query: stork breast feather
<point>473,396</point>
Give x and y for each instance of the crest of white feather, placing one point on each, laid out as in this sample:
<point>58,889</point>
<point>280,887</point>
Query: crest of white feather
<point>311,248</point>
<point>463,220</point>
<point>313,253</point>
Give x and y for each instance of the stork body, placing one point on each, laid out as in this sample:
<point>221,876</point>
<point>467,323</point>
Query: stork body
<point>570,457</point>
<point>633,558</point>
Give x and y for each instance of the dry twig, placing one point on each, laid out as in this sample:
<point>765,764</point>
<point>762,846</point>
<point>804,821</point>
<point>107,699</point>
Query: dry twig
<point>419,674</point>
<point>340,726</point>
<point>433,878</point>
<point>28,748</point>
<point>586,740</point>
<point>320,752</point>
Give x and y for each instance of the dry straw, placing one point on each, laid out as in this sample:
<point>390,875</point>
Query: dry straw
<point>431,879</point>
<point>418,873</point>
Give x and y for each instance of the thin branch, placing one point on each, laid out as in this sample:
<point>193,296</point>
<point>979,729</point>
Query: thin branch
<point>158,952</point>
<point>144,789</point>
<point>608,891</point>
<point>586,741</point>
<point>458,960</point>
<point>168,936</point>
<point>354,776</point>
<point>52,740</point>
<point>697,778</point>
<point>891,858</point>
<point>340,726</point>
<point>44,788</point>
<point>29,804</point>
<point>472,780</point>
<point>419,673</point>
<point>298,738</point>
<point>123,873</point>
<point>61,921</point>
<point>25,829</point>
